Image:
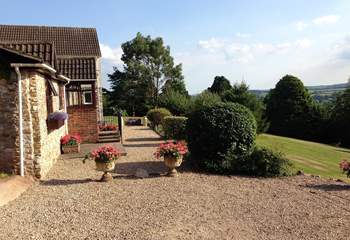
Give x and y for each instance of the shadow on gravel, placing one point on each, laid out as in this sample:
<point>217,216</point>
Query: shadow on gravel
<point>148,139</point>
<point>54,182</point>
<point>328,187</point>
<point>129,168</point>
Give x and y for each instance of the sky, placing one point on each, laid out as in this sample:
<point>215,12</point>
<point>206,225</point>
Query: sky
<point>255,41</point>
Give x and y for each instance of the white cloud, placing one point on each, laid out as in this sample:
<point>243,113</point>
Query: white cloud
<point>329,19</point>
<point>301,25</point>
<point>112,54</point>
<point>319,21</point>
<point>244,53</point>
<point>341,50</point>
<point>212,44</point>
<point>242,35</point>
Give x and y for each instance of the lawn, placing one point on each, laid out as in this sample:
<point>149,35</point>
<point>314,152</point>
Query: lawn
<point>310,157</point>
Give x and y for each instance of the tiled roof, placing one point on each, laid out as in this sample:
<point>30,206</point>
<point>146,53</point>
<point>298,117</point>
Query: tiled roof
<point>43,51</point>
<point>77,68</point>
<point>68,41</point>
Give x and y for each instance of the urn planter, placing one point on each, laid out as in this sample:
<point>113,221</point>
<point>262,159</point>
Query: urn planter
<point>105,167</point>
<point>172,163</point>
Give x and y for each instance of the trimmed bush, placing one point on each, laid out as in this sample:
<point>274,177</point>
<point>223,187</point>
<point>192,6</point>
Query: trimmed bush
<point>156,115</point>
<point>178,104</point>
<point>266,163</point>
<point>220,134</point>
<point>175,127</point>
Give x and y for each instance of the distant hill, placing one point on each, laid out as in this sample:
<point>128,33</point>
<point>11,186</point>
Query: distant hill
<point>320,93</point>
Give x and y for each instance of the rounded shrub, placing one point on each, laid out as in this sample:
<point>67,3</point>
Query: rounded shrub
<point>175,127</point>
<point>156,115</point>
<point>267,163</point>
<point>219,135</point>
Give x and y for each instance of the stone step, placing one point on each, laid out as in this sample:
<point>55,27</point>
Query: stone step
<point>109,136</point>
<point>105,140</point>
<point>108,133</point>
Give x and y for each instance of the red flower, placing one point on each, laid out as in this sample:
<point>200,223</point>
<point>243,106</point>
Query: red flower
<point>171,148</point>
<point>105,154</point>
<point>70,139</point>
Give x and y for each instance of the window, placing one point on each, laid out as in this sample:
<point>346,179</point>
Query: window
<point>87,93</point>
<point>80,94</point>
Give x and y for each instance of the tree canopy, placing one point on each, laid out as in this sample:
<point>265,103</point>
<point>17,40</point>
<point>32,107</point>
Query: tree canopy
<point>291,110</point>
<point>220,85</point>
<point>148,70</point>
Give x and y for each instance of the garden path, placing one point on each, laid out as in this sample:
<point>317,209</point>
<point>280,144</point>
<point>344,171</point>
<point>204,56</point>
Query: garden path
<point>71,204</point>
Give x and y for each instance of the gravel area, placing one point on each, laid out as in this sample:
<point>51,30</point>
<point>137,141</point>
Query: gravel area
<point>71,204</point>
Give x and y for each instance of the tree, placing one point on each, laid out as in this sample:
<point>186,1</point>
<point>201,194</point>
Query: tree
<point>220,85</point>
<point>176,102</point>
<point>148,69</point>
<point>239,93</point>
<point>340,115</point>
<point>291,110</point>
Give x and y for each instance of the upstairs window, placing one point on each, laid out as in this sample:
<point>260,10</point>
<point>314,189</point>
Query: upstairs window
<point>80,94</point>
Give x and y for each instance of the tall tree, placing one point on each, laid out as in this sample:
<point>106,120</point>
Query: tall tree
<point>291,110</point>
<point>340,117</point>
<point>220,85</point>
<point>146,59</point>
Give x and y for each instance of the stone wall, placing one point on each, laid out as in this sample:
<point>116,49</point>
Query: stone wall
<point>8,119</point>
<point>47,147</point>
<point>41,147</point>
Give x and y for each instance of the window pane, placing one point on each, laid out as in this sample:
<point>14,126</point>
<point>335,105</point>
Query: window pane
<point>73,98</point>
<point>87,97</point>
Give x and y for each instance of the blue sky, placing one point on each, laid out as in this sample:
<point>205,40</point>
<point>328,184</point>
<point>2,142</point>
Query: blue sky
<point>258,41</point>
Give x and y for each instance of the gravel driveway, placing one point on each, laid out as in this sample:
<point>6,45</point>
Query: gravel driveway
<point>71,204</point>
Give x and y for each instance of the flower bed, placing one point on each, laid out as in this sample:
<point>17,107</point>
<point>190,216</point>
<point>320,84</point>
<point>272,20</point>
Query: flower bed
<point>108,127</point>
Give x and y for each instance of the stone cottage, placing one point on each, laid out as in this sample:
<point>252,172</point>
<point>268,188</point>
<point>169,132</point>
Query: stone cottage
<point>45,70</point>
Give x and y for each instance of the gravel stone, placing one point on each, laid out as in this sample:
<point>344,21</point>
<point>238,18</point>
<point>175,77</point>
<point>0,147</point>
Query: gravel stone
<point>70,203</point>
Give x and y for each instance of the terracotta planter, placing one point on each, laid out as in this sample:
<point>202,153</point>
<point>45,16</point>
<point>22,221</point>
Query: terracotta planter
<point>172,163</point>
<point>71,148</point>
<point>106,168</point>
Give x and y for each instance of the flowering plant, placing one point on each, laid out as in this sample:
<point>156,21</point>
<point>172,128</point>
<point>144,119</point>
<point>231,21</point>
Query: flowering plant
<point>105,154</point>
<point>70,140</point>
<point>107,127</point>
<point>58,116</point>
<point>345,166</point>
<point>171,149</point>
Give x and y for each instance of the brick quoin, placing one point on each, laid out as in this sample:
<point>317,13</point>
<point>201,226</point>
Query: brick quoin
<point>83,121</point>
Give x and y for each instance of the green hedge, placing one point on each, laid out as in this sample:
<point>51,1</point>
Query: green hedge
<point>175,127</point>
<point>156,115</point>
<point>220,134</point>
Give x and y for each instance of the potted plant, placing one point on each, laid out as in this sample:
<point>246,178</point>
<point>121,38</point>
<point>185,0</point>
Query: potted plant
<point>105,158</point>
<point>172,152</point>
<point>70,143</point>
<point>56,120</point>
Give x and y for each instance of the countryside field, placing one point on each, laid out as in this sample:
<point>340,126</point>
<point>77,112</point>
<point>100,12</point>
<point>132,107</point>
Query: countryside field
<point>310,157</point>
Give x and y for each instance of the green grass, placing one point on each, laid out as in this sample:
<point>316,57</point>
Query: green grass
<point>310,157</point>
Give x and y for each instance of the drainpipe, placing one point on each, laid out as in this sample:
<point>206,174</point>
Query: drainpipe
<point>21,145</point>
